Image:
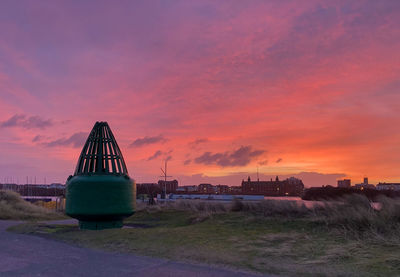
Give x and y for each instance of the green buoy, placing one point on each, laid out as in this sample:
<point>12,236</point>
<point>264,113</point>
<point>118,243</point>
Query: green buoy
<point>100,193</point>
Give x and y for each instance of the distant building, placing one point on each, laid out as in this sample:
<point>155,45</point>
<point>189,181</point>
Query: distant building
<point>364,185</point>
<point>222,189</point>
<point>13,187</point>
<point>57,186</point>
<point>345,183</point>
<point>186,189</point>
<point>206,188</point>
<point>147,184</point>
<point>235,189</point>
<point>209,189</point>
<point>170,186</point>
<point>289,187</point>
<point>388,186</point>
<point>55,189</point>
<point>148,188</point>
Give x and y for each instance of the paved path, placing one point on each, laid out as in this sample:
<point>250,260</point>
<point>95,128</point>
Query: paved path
<point>24,255</point>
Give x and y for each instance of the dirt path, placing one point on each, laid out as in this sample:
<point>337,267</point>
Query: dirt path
<point>24,255</point>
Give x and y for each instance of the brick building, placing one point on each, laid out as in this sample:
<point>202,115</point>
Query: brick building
<point>206,188</point>
<point>289,187</point>
<point>171,186</point>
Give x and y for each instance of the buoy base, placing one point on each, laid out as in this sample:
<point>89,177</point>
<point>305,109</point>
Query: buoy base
<point>100,225</point>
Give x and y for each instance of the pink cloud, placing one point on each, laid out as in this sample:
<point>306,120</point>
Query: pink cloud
<point>315,83</point>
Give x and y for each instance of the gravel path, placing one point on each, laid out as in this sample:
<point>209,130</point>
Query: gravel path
<point>24,255</point>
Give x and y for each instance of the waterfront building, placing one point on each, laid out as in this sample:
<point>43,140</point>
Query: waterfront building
<point>289,187</point>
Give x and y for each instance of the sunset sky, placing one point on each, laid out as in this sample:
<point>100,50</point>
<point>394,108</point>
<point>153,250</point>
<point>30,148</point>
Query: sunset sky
<point>296,88</point>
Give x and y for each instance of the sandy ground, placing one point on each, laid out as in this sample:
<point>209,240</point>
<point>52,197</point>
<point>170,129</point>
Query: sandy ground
<point>24,255</point>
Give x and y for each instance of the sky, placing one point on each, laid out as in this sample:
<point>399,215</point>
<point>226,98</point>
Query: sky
<point>220,89</point>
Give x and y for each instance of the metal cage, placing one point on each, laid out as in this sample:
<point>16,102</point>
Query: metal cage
<point>101,154</point>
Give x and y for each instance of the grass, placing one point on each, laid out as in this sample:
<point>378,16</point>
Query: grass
<point>12,206</point>
<point>347,238</point>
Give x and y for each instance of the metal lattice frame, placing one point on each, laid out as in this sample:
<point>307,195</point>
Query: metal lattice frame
<point>101,153</point>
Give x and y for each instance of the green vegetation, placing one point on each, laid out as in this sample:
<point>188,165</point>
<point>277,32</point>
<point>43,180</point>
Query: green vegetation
<point>346,238</point>
<point>12,206</point>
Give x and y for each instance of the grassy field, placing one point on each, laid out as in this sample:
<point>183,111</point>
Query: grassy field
<point>12,206</point>
<point>338,239</point>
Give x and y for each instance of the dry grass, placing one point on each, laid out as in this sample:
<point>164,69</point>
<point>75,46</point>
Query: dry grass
<point>344,238</point>
<point>187,205</point>
<point>352,215</point>
<point>12,206</point>
<point>272,208</point>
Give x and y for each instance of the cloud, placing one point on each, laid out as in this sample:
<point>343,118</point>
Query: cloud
<point>148,140</point>
<point>239,157</point>
<point>37,138</point>
<point>187,162</point>
<point>76,140</point>
<point>198,141</point>
<point>263,162</point>
<point>278,160</point>
<point>26,122</point>
<point>224,74</point>
<point>155,155</point>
